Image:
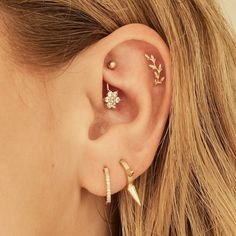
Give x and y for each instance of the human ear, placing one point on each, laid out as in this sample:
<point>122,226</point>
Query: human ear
<point>132,131</point>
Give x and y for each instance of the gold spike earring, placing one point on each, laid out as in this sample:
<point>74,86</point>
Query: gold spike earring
<point>130,178</point>
<point>156,68</point>
<point>112,98</point>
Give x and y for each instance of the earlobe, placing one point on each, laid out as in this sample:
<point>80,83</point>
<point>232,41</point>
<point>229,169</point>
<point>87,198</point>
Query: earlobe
<point>136,100</point>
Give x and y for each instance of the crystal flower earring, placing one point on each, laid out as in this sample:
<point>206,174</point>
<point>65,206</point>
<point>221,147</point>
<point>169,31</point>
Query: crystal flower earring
<point>112,98</point>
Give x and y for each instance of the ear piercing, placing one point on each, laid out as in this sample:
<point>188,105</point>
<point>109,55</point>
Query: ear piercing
<point>157,69</point>
<point>112,98</point>
<point>130,178</point>
<point>111,65</point>
<point>108,184</point>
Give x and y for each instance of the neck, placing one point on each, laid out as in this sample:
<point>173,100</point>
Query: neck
<point>56,216</point>
<point>93,215</point>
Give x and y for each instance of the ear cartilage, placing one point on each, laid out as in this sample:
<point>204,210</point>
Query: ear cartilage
<point>111,65</point>
<point>156,68</point>
<point>112,98</point>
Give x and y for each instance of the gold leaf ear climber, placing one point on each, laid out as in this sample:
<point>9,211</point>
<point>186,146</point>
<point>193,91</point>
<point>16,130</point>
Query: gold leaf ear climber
<point>111,65</point>
<point>157,69</point>
<point>130,178</point>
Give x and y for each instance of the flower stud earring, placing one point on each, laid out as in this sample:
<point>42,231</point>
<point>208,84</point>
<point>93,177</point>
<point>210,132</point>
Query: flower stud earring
<point>156,68</point>
<point>112,98</point>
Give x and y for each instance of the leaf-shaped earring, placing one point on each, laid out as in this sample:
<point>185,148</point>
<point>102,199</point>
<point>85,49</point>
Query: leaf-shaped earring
<point>157,69</point>
<point>130,178</point>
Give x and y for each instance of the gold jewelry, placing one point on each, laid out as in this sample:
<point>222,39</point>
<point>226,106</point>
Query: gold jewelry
<point>157,69</point>
<point>112,98</point>
<point>108,184</point>
<point>111,65</point>
<point>130,178</point>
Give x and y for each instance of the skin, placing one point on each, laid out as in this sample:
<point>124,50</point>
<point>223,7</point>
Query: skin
<point>56,135</point>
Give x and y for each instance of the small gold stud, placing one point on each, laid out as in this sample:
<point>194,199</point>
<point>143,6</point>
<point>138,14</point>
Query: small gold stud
<point>111,65</point>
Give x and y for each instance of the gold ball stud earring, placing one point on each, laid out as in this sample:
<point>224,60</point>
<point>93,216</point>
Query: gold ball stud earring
<point>111,65</point>
<point>112,97</point>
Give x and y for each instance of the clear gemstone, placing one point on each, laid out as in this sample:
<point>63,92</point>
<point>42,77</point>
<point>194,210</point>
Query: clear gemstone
<point>112,99</point>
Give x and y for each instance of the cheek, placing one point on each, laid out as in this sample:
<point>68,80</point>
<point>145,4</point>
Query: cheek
<point>70,134</point>
<point>70,119</point>
<point>37,172</point>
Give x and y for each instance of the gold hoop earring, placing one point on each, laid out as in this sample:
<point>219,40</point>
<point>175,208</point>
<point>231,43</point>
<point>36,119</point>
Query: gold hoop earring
<point>108,184</point>
<point>130,178</point>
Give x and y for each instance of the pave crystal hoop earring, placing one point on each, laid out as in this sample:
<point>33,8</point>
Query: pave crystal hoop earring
<point>130,178</point>
<point>108,184</point>
<point>112,97</point>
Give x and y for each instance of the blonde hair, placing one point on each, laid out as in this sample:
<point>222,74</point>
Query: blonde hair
<point>190,189</point>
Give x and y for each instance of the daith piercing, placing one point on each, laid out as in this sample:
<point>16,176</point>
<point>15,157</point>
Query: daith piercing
<point>157,69</point>
<point>112,98</point>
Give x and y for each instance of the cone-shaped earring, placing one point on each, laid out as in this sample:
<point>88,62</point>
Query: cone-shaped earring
<point>130,178</point>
